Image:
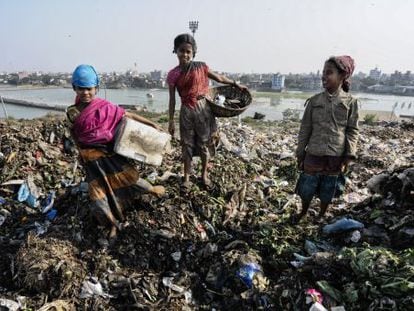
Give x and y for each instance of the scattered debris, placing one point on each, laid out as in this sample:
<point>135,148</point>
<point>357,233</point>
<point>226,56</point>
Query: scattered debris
<point>228,249</point>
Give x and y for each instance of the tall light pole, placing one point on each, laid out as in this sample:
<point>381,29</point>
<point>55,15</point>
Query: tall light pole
<point>193,25</point>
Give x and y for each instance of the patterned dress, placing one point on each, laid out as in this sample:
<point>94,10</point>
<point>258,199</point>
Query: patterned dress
<point>198,127</point>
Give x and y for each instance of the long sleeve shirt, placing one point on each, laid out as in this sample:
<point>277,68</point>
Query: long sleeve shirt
<point>329,126</point>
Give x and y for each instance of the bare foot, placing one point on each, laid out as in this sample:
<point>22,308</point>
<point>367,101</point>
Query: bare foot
<point>113,233</point>
<point>186,186</point>
<point>207,183</point>
<point>159,191</point>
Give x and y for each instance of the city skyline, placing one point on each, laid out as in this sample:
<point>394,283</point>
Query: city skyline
<point>264,37</point>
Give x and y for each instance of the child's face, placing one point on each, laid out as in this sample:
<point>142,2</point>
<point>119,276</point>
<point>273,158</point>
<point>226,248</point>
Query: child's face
<point>85,94</point>
<point>185,53</point>
<point>331,78</point>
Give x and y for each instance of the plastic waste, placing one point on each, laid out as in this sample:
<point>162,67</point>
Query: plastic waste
<point>247,273</point>
<point>91,288</point>
<point>47,205</point>
<point>317,307</point>
<point>167,175</point>
<point>152,177</point>
<point>313,295</point>
<point>316,298</point>
<point>310,247</point>
<point>301,258</point>
<point>141,142</point>
<point>28,193</point>
<point>176,256</point>
<point>353,197</point>
<point>9,305</point>
<point>188,295</point>
<point>40,228</point>
<point>209,228</point>
<point>168,282</point>
<point>342,225</point>
<point>2,219</point>
<point>219,100</point>
<point>297,263</point>
<point>355,236</point>
<point>51,215</point>
<point>23,193</point>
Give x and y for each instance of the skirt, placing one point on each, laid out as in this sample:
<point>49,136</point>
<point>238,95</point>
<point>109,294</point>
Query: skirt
<point>112,184</point>
<point>198,130</point>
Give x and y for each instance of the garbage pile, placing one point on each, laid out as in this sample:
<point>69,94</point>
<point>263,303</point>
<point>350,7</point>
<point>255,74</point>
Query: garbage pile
<point>229,248</point>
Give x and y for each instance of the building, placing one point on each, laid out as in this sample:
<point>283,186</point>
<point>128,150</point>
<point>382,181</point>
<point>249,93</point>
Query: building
<point>375,74</point>
<point>278,82</point>
<point>311,82</point>
<point>156,75</point>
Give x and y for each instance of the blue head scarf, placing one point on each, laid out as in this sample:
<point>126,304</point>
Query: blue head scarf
<point>85,76</point>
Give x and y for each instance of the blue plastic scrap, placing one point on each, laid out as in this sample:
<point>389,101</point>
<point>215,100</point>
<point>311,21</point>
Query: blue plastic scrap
<point>342,225</point>
<point>51,215</point>
<point>47,205</point>
<point>24,195</point>
<point>246,273</point>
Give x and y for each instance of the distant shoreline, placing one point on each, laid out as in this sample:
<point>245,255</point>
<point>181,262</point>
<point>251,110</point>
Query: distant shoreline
<point>286,93</point>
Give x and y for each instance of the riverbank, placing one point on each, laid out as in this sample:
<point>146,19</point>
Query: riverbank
<point>30,104</point>
<point>288,93</point>
<point>188,251</point>
<point>272,105</point>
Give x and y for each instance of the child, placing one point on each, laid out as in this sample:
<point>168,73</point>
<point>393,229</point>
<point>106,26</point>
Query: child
<point>111,178</point>
<point>197,124</point>
<point>328,135</point>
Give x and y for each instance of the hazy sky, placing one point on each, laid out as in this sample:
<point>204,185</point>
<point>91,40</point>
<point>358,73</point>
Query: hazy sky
<point>234,35</point>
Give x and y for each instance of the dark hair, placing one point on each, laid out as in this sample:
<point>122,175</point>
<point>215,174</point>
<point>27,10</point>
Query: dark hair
<point>345,84</point>
<point>185,38</point>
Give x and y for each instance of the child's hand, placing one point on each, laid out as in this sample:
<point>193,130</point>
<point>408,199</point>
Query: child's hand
<point>300,163</point>
<point>159,128</point>
<point>171,128</point>
<point>242,87</point>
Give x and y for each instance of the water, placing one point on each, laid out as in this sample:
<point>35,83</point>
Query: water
<point>270,104</point>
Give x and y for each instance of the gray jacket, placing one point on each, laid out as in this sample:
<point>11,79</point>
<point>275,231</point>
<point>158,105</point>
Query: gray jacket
<point>329,126</point>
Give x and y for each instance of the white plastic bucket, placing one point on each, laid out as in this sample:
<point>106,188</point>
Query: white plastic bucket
<point>141,142</point>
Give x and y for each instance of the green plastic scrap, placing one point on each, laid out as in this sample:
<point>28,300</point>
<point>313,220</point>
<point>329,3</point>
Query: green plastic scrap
<point>330,290</point>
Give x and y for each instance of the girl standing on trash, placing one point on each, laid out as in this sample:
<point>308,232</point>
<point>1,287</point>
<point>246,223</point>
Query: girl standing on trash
<point>328,135</point>
<point>111,178</point>
<point>198,128</point>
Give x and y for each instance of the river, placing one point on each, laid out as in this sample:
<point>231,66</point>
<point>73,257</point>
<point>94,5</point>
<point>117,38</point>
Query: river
<point>270,104</point>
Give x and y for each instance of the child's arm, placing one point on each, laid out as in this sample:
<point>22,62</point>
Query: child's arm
<point>305,132</point>
<point>352,132</point>
<point>171,110</point>
<point>142,120</point>
<point>223,79</point>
